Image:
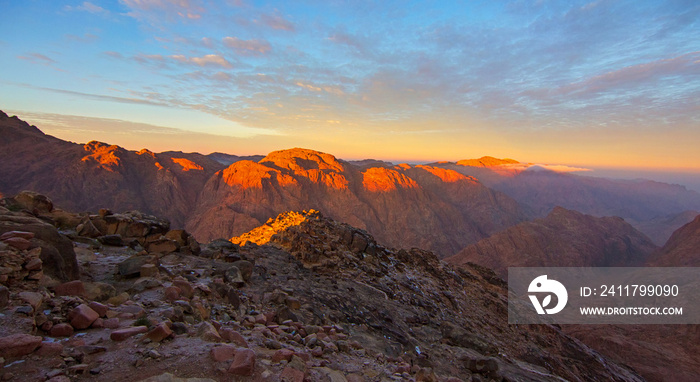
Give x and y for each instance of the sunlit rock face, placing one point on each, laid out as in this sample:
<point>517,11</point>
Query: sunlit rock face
<point>404,206</point>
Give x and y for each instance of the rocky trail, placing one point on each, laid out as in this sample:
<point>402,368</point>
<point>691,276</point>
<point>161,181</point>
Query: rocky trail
<point>301,298</point>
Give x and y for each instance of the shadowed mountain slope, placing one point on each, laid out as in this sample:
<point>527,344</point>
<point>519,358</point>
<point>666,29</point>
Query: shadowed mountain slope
<point>564,238</point>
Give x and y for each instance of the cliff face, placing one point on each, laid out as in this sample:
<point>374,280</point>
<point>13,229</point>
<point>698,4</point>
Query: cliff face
<point>403,206</point>
<point>563,238</point>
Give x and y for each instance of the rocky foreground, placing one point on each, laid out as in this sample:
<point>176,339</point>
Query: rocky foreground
<point>301,298</point>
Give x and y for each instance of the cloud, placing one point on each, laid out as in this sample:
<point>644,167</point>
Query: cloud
<point>87,6</point>
<point>247,47</point>
<point>113,54</point>
<point>40,59</point>
<point>98,97</point>
<point>206,60</point>
<point>276,21</point>
<point>154,9</point>
<point>686,64</point>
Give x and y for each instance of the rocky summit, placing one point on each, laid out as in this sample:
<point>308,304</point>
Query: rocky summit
<point>300,298</point>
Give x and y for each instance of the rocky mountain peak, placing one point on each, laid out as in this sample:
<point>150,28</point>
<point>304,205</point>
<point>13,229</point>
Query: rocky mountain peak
<point>302,160</point>
<point>486,161</point>
<point>382,179</point>
<point>107,156</point>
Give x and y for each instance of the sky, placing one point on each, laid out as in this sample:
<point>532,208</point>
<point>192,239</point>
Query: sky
<point>599,84</point>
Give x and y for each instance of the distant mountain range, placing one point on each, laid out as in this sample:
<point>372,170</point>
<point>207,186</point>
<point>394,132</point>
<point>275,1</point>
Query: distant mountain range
<point>443,207</point>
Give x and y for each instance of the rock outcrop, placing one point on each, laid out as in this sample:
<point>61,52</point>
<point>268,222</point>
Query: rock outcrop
<point>23,230</point>
<point>564,238</point>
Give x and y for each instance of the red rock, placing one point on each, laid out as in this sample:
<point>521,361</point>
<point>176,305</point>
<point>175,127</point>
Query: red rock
<point>172,293</point>
<point>149,270</point>
<point>17,345</point>
<point>99,323</point>
<point>306,357</point>
<point>61,330</point>
<point>33,264</point>
<point>290,374</point>
<point>223,353</point>
<point>59,378</point>
<point>122,334</point>
<point>99,308</point>
<point>22,234</point>
<point>48,349</point>
<point>111,323</point>
<point>17,242</point>
<point>186,288</point>
<point>82,316</point>
<point>243,362</point>
<point>71,288</point>
<point>46,326</point>
<point>283,354</point>
<point>160,332</point>
<point>355,378</point>
<point>230,335</point>
<point>4,296</point>
<point>163,246</point>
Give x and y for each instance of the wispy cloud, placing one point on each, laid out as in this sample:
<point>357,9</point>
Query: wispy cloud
<point>152,9</point>
<point>87,6</point>
<point>247,47</point>
<point>276,21</point>
<point>206,60</point>
<point>97,97</point>
<point>38,58</point>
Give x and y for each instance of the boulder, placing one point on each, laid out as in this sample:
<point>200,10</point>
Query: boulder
<point>131,267</point>
<point>243,362</point>
<point>159,333</point>
<point>34,202</point>
<point>57,254</point>
<point>123,334</point>
<point>111,240</point>
<point>61,330</point>
<point>82,316</point>
<point>223,353</point>
<point>17,345</point>
<point>208,332</point>
<point>163,246</point>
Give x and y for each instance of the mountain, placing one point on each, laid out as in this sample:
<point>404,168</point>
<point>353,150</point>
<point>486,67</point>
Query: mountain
<point>96,175</point>
<point>661,228</point>
<point>682,249</point>
<point>563,238</point>
<point>403,206</point>
<point>645,204</point>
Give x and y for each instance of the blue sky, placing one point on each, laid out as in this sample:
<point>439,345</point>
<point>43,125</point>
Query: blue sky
<point>603,83</point>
